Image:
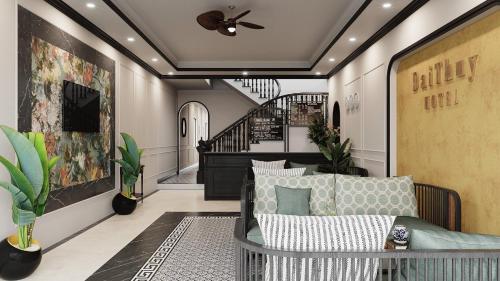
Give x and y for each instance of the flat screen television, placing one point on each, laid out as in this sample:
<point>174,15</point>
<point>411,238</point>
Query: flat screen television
<point>81,108</point>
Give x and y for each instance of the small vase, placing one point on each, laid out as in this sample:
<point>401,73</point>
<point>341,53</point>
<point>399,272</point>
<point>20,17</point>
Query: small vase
<point>123,205</point>
<point>15,263</point>
<point>400,234</point>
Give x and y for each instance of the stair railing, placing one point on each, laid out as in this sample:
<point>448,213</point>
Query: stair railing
<point>265,88</point>
<point>237,136</point>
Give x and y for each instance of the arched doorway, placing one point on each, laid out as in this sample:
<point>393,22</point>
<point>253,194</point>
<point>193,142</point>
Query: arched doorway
<point>336,115</point>
<point>193,124</point>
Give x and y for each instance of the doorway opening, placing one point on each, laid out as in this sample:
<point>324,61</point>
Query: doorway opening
<point>193,125</point>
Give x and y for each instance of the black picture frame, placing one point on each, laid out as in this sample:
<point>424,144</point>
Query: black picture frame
<point>183,127</point>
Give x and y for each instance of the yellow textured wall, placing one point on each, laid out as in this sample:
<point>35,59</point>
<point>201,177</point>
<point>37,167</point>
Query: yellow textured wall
<point>456,143</point>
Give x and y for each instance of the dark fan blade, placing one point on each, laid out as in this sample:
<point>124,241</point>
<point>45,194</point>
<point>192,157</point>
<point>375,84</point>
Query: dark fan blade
<point>223,30</point>
<point>241,15</point>
<point>250,25</point>
<point>210,20</point>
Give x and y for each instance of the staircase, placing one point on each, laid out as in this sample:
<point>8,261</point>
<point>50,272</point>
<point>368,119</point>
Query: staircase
<point>258,90</point>
<point>237,137</point>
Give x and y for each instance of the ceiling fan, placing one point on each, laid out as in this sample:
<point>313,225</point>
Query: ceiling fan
<point>215,20</point>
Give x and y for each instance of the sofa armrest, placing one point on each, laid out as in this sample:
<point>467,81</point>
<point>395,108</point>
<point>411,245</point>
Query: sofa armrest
<point>247,202</point>
<point>439,206</point>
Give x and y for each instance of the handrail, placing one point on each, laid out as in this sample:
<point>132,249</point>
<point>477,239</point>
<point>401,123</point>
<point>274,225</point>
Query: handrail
<point>264,105</point>
<point>266,88</point>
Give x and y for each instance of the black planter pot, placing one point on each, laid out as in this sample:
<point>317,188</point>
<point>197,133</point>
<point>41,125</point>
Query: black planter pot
<point>123,205</point>
<point>17,264</point>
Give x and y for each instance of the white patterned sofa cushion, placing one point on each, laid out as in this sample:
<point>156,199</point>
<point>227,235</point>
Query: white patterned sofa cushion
<point>324,234</point>
<point>322,193</point>
<point>295,172</point>
<point>375,196</point>
<point>280,164</point>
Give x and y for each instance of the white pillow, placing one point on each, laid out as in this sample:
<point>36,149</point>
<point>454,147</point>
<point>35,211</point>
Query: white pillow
<point>375,196</point>
<point>322,193</point>
<point>295,172</point>
<point>280,164</point>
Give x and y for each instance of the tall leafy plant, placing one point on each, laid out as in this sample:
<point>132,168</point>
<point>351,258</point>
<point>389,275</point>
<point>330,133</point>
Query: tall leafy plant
<point>318,133</point>
<point>131,164</point>
<point>338,153</point>
<point>29,185</point>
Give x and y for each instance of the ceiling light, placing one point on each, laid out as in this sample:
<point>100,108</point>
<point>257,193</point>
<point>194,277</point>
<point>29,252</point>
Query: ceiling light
<point>318,73</point>
<point>170,73</point>
<point>331,59</point>
<point>386,5</point>
<point>352,39</point>
<point>154,59</point>
<point>244,73</point>
<point>90,5</point>
<point>231,28</point>
<point>131,39</point>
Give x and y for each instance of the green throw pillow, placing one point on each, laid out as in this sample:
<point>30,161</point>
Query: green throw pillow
<point>310,168</point>
<point>292,201</point>
<point>449,240</point>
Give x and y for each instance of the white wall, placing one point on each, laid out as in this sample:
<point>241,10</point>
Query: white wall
<point>224,104</point>
<point>188,155</point>
<point>366,75</point>
<point>292,86</point>
<point>141,99</point>
<point>8,106</point>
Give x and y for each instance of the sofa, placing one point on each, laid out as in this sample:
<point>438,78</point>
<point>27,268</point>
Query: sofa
<point>438,216</point>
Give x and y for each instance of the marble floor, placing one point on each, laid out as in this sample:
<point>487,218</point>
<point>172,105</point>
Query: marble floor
<point>185,176</point>
<point>78,258</point>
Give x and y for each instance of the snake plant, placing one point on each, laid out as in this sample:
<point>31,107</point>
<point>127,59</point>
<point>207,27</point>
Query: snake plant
<point>131,164</point>
<point>29,185</point>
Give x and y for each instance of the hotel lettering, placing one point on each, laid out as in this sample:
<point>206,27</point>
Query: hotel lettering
<point>442,75</point>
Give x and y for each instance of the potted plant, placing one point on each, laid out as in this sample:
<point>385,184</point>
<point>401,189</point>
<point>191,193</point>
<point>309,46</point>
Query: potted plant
<point>124,203</point>
<point>338,153</point>
<point>20,254</point>
<point>318,133</point>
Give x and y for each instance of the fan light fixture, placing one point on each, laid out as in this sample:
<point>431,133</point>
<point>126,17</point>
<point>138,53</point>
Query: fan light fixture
<point>231,28</point>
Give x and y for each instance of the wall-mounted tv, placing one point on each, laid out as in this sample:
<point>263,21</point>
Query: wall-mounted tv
<point>81,108</point>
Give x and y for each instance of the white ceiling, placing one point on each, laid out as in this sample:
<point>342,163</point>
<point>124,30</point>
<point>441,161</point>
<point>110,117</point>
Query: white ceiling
<point>294,29</point>
<point>296,33</point>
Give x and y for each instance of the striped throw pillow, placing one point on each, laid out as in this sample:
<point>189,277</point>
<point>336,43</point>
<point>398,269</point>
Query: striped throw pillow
<point>280,164</point>
<point>323,234</point>
<point>279,172</point>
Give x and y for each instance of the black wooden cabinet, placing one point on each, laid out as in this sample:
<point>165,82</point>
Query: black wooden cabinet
<point>224,171</point>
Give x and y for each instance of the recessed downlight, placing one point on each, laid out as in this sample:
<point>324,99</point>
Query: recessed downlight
<point>386,5</point>
<point>170,73</point>
<point>154,59</point>
<point>131,39</point>
<point>244,73</point>
<point>352,39</point>
<point>331,59</point>
<point>318,73</point>
<point>90,5</point>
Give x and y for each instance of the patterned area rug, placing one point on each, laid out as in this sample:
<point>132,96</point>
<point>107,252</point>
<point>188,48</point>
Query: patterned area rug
<point>200,248</point>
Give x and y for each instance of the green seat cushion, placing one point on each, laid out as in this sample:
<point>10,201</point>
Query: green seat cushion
<point>413,223</point>
<point>310,168</point>
<point>292,201</point>
<point>431,239</point>
<point>435,239</point>
<point>254,234</point>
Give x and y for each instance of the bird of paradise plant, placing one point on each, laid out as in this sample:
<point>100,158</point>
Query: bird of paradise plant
<point>29,184</point>
<point>131,164</point>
